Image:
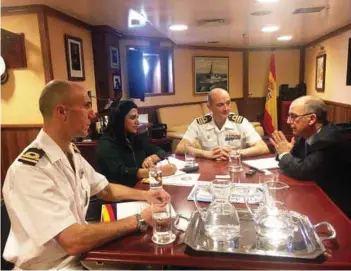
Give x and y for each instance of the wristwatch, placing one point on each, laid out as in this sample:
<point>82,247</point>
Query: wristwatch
<point>142,225</point>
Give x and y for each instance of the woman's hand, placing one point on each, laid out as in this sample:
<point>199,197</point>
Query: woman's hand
<point>168,169</point>
<point>150,161</point>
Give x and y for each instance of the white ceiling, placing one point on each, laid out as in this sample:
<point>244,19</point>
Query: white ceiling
<point>240,30</point>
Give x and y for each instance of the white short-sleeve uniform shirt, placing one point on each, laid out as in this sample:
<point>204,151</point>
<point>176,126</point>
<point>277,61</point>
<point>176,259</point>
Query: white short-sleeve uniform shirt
<point>43,197</point>
<point>206,132</point>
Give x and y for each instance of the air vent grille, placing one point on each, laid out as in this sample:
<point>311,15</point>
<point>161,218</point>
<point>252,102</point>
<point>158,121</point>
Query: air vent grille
<point>211,22</point>
<point>308,10</point>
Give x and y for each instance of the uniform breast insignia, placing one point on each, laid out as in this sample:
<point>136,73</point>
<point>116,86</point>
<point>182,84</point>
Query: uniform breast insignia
<point>204,119</point>
<point>75,148</point>
<point>235,118</point>
<point>31,156</point>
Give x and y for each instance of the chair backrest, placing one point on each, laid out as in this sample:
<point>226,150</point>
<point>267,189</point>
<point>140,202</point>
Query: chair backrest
<point>179,115</point>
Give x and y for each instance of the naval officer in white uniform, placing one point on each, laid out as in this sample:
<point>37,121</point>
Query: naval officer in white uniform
<point>213,130</point>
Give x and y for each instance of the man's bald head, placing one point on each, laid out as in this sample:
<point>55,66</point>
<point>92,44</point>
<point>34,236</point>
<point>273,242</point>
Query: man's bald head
<point>214,93</point>
<point>314,105</point>
<point>54,93</point>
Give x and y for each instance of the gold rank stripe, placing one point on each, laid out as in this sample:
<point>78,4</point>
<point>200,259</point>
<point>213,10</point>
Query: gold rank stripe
<point>34,161</point>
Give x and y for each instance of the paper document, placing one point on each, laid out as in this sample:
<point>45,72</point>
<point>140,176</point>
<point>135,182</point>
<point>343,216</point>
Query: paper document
<point>260,164</point>
<point>125,209</point>
<point>189,179</point>
<point>251,192</point>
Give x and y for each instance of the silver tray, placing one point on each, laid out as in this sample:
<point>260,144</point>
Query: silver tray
<point>306,243</point>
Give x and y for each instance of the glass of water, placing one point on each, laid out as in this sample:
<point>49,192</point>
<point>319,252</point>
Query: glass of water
<point>162,222</point>
<point>155,177</point>
<point>234,147</point>
<point>189,155</point>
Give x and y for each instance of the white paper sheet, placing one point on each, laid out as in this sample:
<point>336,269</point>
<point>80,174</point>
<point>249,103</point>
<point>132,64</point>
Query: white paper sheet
<point>265,163</point>
<point>182,180</point>
<point>125,209</point>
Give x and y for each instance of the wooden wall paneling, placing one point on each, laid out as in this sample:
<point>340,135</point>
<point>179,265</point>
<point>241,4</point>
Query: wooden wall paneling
<point>338,112</point>
<point>14,138</point>
<point>45,45</point>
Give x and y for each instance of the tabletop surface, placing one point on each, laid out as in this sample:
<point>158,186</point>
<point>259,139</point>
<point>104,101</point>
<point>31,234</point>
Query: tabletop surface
<point>303,197</point>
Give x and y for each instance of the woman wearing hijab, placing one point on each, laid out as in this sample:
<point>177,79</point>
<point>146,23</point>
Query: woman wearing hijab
<point>123,156</point>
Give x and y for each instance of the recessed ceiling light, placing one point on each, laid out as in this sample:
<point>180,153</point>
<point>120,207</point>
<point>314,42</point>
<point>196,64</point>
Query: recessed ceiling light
<point>270,28</point>
<point>178,27</point>
<point>267,1</point>
<point>286,37</point>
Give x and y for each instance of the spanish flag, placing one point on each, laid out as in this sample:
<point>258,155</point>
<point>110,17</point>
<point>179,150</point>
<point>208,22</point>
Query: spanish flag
<point>108,212</point>
<point>270,122</point>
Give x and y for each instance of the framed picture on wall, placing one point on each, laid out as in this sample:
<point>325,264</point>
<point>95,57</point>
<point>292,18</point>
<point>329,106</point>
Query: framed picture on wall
<point>210,73</point>
<point>117,84</point>
<point>114,57</point>
<point>320,72</point>
<point>74,58</point>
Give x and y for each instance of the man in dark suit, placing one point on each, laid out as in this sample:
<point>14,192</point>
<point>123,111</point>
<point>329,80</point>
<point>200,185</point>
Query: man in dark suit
<point>317,152</point>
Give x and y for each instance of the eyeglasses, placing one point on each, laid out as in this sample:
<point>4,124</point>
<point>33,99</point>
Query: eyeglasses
<point>293,116</point>
<point>133,117</point>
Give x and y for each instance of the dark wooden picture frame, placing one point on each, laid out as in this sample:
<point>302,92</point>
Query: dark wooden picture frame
<point>116,82</point>
<point>210,72</point>
<point>321,61</point>
<point>114,57</point>
<point>74,58</point>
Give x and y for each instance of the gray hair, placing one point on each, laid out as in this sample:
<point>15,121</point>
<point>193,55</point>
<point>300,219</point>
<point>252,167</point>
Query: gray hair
<point>315,105</point>
<point>54,92</point>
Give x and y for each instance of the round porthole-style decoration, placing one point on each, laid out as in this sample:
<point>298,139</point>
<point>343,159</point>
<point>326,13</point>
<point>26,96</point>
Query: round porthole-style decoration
<point>3,71</point>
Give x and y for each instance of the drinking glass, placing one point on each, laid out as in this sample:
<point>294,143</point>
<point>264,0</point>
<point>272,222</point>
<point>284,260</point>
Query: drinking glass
<point>162,222</point>
<point>155,177</point>
<point>189,155</point>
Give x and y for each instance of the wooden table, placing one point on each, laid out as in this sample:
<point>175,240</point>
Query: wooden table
<point>304,197</point>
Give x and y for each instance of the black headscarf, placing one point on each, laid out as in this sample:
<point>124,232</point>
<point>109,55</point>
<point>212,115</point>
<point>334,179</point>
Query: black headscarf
<point>115,126</point>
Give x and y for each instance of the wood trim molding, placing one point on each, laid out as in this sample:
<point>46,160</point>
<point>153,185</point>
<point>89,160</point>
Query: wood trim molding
<point>197,47</point>
<point>5,11</point>
<point>245,77</point>
<point>337,104</point>
<point>45,45</point>
<point>255,49</point>
<point>107,29</point>
<point>21,126</point>
<point>329,35</point>
<point>160,39</point>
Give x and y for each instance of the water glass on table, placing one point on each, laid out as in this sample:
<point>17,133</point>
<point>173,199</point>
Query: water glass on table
<point>189,155</point>
<point>155,177</point>
<point>162,222</point>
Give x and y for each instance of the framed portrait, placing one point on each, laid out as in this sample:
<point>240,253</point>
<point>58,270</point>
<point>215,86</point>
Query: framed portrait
<point>74,58</point>
<point>114,57</point>
<point>210,73</point>
<point>117,84</point>
<point>320,72</point>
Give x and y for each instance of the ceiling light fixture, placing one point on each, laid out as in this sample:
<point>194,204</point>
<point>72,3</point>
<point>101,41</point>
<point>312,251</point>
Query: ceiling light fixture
<point>267,1</point>
<point>261,13</point>
<point>270,28</point>
<point>178,27</point>
<point>283,38</point>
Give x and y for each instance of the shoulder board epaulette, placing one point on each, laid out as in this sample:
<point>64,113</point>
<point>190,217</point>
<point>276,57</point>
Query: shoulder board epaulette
<point>235,118</point>
<point>204,119</point>
<point>31,156</point>
<point>75,148</point>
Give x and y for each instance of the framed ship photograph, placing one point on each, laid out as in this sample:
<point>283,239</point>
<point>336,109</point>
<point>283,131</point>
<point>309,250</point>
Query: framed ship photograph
<point>210,73</point>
